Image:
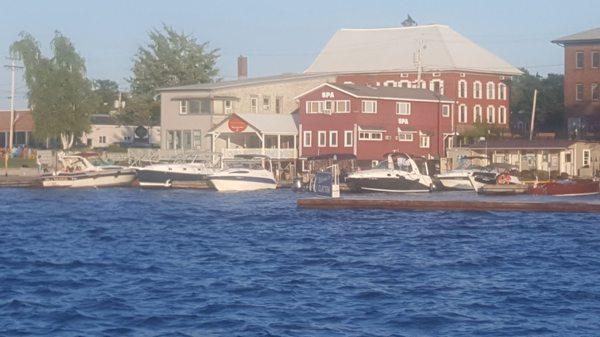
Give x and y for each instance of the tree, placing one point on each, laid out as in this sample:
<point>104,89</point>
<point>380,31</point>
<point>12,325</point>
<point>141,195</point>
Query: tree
<point>59,93</point>
<point>170,59</point>
<point>107,92</point>
<point>550,112</point>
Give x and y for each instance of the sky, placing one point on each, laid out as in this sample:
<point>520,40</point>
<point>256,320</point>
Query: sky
<point>281,36</point>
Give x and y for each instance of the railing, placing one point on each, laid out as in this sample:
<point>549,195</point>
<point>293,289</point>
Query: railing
<point>273,153</point>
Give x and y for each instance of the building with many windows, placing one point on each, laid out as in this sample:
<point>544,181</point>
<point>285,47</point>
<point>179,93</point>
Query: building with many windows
<point>106,130</point>
<point>433,57</point>
<point>368,121</point>
<point>582,82</point>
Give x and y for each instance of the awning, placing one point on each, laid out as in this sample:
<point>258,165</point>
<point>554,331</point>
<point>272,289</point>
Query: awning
<point>371,128</point>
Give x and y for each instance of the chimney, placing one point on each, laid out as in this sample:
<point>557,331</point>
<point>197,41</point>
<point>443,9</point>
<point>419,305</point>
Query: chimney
<point>242,67</point>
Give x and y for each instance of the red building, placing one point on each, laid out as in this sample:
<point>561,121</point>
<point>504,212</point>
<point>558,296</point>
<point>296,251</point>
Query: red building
<point>370,121</point>
<point>582,82</point>
<point>23,127</point>
<point>434,57</point>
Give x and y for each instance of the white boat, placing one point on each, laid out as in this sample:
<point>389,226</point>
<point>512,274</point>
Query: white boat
<point>458,179</point>
<point>77,171</point>
<point>502,184</point>
<point>397,173</point>
<point>164,174</point>
<point>244,173</point>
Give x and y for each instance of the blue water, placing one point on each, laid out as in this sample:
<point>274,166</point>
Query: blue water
<point>127,262</point>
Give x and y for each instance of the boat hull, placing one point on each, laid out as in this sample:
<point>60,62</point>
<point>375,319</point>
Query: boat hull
<point>569,188</point>
<point>242,183</point>
<point>456,183</point>
<point>381,184</point>
<point>92,179</point>
<point>158,178</point>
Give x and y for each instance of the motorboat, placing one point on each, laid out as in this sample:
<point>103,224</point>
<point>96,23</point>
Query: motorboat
<point>398,172</point>
<point>458,179</point>
<point>567,187</point>
<point>244,173</point>
<point>164,174</point>
<point>502,184</point>
<point>77,171</point>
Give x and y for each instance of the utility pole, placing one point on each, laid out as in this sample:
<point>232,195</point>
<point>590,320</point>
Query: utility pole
<point>533,114</point>
<point>13,67</point>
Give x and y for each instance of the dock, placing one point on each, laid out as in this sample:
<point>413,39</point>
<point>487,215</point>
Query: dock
<point>449,205</point>
<point>19,181</point>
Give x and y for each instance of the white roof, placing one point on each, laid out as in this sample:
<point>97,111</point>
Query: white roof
<point>283,124</point>
<point>394,49</point>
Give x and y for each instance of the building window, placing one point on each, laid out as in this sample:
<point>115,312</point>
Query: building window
<point>389,84</point>
<point>502,91</point>
<point>579,92</point>
<point>101,139</point>
<point>370,135</point>
<point>462,113</point>
<point>197,139</point>
<point>491,90</point>
<point>254,104</point>
<point>278,104</point>
<point>477,89</point>
<point>502,115</point>
<point>228,106</point>
<point>445,110</point>
<point>322,135</point>
<point>328,107</point>
<point>595,91</point>
<point>333,138</point>
<point>462,89</point>
<point>404,84</point>
<point>183,107</point>
<point>491,115</point>
<point>402,108</point>
<point>477,115</point>
<point>307,138</point>
<point>596,59</point>
<point>266,103</point>
<point>369,107</point>
<point>342,106</point>
<point>170,140</point>
<point>579,60</point>
<point>421,84</point>
<point>313,107</point>
<point>586,158</point>
<point>405,136</point>
<point>437,86</point>
<point>424,141</point>
<point>348,137</point>
<point>187,140</point>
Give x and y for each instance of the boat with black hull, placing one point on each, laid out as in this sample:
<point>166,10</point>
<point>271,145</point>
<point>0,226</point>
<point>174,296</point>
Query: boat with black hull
<point>399,173</point>
<point>165,174</point>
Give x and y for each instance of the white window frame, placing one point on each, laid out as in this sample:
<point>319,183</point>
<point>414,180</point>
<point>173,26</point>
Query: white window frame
<point>502,115</point>
<point>404,84</point>
<point>406,111</point>
<point>490,90</point>
<point>333,138</point>
<point>462,113</point>
<point>477,90</point>
<point>586,161</point>
<point>477,112</point>
<point>328,110</point>
<point>502,91</point>
<point>373,105</point>
<point>227,109</point>
<point>422,84</point>
<point>348,138</point>
<point>346,107</point>
<point>254,104</point>
<point>445,110</point>
<point>392,82</point>
<point>432,85</point>
<point>307,138</point>
<point>424,141</point>
<point>595,90</point>
<point>183,107</point>
<point>490,111</point>
<point>462,89</point>
<point>577,53</point>
<point>405,134</point>
<point>577,96</point>
<point>324,138</point>
<point>267,106</point>
<point>368,135</point>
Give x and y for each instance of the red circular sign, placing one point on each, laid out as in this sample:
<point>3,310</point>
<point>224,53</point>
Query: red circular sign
<point>237,124</point>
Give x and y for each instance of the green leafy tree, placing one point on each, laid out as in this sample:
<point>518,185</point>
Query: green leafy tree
<point>60,95</point>
<point>550,114</point>
<point>107,92</point>
<point>169,59</point>
<point>486,131</point>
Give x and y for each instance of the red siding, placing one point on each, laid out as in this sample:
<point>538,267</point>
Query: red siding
<point>425,117</point>
<point>586,76</point>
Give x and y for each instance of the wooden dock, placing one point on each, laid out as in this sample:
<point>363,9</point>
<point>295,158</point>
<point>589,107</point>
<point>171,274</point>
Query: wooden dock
<point>449,205</point>
<point>19,181</point>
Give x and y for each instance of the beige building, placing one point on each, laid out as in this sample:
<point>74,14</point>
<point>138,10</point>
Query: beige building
<point>557,157</point>
<point>106,130</point>
<point>189,113</point>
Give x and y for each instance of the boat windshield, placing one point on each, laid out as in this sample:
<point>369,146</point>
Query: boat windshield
<point>403,164</point>
<point>245,164</point>
<point>97,161</point>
